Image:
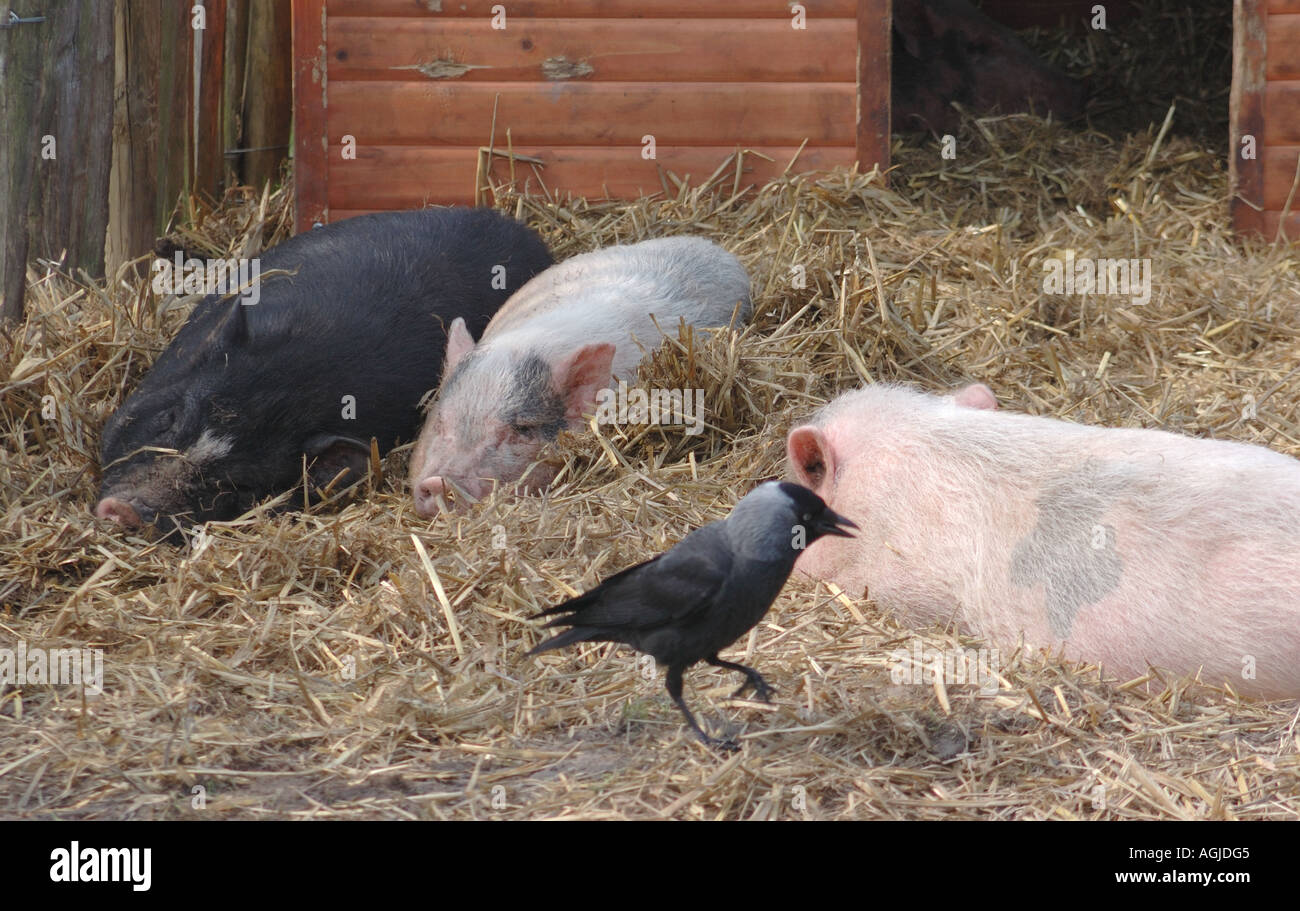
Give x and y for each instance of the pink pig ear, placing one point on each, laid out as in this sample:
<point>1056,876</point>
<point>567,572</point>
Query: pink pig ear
<point>811,457</point>
<point>580,375</point>
<point>976,395</point>
<point>459,344</point>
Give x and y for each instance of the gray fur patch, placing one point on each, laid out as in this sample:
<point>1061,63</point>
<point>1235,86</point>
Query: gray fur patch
<point>463,369</point>
<point>533,401</point>
<point>1070,552</point>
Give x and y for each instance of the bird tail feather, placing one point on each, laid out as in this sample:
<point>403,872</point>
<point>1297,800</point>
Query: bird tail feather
<point>573,605</point>
<point>568,637</point>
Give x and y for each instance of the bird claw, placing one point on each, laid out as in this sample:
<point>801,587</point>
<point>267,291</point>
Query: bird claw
<point>762,690</point>
<point>726,746</point>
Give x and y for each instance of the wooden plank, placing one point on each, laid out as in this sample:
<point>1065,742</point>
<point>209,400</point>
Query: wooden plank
<point>133,180</point>
<point>1246,111</point>
<point>310,170</point>
<point>175,91</point>
<point>1279,166</point>
<point>593,50</point>
<point>1248,222</point>
<point>872,111</point>
<point>573,9</point>
<point>268,109</point>
<point>233,82</point>
<point>1263,225</point>
<point>1282,35</point>
<point>1270,221</point>
<point>210,48</point>
<point>614,113</point>
<point>1283,6</point>
<point>405,178</point>
<point>70,193</point>
<point>22,56</point>
<point>1281,113</point>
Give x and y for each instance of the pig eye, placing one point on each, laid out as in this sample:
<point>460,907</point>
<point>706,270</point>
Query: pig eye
<point>525,430</point>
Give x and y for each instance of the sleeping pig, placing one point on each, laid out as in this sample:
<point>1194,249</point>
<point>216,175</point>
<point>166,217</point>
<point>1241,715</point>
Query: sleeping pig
<point>553,346</point>
<point>1127,547</point>
<point>345,340</point>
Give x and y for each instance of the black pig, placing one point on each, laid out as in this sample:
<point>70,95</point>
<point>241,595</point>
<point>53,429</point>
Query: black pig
<point>358,308</point>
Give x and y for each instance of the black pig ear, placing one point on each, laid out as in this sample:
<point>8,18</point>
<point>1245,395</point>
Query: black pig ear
<point>234,326</point>
<point>328,454</point>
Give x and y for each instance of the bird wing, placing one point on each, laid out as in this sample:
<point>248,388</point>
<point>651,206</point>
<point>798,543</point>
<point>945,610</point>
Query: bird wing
<point>581,601</point>
<point>664,590</point>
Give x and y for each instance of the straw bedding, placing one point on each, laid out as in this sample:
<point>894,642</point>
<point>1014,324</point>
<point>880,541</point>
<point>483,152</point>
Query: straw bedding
<point>356,661</point>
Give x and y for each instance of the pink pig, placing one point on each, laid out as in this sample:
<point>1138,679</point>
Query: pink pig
<point>547,353</point>
<point>1127,547</point>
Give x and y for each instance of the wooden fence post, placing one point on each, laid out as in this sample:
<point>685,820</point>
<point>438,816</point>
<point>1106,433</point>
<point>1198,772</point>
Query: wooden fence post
<point>56,121</point>
<point>133,183</point>
<point>268,108</point>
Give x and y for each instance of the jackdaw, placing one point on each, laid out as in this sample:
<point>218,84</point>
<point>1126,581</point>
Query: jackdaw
<point>685,605</point>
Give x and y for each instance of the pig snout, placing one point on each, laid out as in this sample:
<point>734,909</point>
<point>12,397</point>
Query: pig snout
<point>426,495</point>
<point>427,491</point>
<point>431,488</point>
<point>118,511</point>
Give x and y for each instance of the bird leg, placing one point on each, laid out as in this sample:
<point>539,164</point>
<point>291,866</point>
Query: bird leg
<point>673,681</point>
<point>752,678</point>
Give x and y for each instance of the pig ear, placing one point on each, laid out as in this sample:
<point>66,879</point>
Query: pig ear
<point>810,455</point>
<point>459,344</point>
<point>328,454</point>
<point>234,325</point>
<point>976,395</point>
<point>580,375</point>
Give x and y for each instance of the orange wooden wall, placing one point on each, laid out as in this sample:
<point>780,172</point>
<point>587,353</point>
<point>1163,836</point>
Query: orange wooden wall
<point>1266,105</point>
<point>578,84</point>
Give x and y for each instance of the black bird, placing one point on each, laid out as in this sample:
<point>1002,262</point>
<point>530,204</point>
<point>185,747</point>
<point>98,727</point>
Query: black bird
<point>686,605</point>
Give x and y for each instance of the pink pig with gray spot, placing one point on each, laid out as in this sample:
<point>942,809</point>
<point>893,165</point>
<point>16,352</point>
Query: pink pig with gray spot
<point>1126,547</point>
<point>566,334</point>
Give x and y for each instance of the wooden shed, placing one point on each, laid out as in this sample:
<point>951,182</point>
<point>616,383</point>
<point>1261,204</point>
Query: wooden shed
<point>1265,115</point>
<point>399,103</point>
<point>608,96</point>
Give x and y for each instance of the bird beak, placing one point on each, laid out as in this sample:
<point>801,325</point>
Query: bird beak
<point>832,523</point>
